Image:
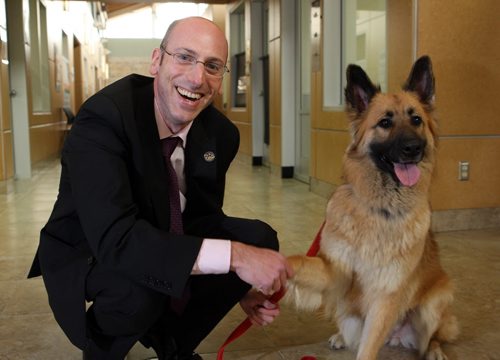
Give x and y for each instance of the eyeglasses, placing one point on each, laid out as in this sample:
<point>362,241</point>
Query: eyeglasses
<point>212,68</point>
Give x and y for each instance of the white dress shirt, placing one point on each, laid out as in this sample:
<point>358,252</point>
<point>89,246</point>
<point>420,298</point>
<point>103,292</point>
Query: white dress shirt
<point>215,254</point>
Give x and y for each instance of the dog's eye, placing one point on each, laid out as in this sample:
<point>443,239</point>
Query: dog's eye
<point>416,120</point>
<point>385,123</point>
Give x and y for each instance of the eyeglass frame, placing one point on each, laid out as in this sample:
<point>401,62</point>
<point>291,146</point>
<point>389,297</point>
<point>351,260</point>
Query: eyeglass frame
<point>196,61</point>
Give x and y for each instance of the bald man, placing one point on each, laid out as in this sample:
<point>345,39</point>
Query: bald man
<point>113,240</point>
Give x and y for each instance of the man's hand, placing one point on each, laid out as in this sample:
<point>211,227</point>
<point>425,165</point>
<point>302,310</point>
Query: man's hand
<point>260,311</point>
<point>264,269</point>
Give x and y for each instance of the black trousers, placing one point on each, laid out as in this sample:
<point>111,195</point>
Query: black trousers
<point>123,312</point>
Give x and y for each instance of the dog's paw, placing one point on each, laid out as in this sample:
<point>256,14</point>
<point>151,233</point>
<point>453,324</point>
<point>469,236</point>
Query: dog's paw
<point>336,342</point>
<point>303,299</point>
<point>434,352</point>
<point>296,262</point>
<point>436,355</point>
<point>403,335</point>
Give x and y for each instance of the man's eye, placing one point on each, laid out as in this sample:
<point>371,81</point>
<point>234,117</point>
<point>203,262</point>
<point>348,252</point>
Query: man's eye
<point>213,67</point>
<point>185,58</point>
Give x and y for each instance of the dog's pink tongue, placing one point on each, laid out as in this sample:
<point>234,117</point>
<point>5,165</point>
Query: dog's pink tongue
<point>408,174</point>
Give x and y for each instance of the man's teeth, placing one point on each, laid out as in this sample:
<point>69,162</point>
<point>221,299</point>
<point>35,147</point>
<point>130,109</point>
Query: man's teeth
<point>188,94</point>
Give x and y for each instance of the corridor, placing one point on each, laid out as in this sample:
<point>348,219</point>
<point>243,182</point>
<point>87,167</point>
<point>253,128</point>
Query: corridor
<point>28,330</point>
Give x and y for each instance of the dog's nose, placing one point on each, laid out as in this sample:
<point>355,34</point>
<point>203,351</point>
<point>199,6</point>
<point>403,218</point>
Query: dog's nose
<point>412,148</point>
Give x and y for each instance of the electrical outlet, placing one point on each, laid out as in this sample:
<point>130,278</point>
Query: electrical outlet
<point>463,170</point>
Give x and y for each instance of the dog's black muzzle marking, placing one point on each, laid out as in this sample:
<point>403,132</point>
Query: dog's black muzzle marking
<point>401,149</point>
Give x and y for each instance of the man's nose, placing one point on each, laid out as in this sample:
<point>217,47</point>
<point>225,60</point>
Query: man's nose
<point>197,73</point>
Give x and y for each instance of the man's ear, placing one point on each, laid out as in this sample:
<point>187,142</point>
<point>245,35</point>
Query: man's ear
<point>155,61</point>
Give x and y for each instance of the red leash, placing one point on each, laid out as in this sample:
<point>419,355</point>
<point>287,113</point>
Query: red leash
<point>245,325</point>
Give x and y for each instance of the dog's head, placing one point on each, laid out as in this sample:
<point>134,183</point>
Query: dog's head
<point>396,130</point>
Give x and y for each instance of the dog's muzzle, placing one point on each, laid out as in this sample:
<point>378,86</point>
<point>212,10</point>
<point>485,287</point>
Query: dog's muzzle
<point>400,158</point>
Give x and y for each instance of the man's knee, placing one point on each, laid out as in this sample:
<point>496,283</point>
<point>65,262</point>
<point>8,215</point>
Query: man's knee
<point>133,315</point>
<point>252,232</point>
<point>266,236</point>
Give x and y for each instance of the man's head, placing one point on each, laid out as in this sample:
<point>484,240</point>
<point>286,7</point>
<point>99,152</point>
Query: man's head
<point>183,88</point>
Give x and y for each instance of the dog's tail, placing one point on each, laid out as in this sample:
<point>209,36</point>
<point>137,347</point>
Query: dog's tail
<point>313,276</point>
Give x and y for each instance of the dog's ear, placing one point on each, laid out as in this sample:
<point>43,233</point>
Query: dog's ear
<point>359,90</point>
<point>421,80</point>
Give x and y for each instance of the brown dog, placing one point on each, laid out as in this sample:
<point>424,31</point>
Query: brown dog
<point>378,271</point>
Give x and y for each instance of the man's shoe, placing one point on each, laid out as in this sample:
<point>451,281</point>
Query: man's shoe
<point>195,356</point>
<point>166,350</point>
<point>163,349</point>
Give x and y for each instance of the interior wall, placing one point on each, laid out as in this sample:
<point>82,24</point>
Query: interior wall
<point>399,42</point>
<point>274,48</point>
<point>329,126</point>
<point>129,56</point>
<point>74,19</point>
<point>329,135</point>
<point>240,116</point>
<point>217,13</point>
<point>66,22</point>
<point>6,149</point>
<point>459,35</point>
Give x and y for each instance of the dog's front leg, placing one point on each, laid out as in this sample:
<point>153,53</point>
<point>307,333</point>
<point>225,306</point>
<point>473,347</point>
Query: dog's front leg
<point>380,319</point>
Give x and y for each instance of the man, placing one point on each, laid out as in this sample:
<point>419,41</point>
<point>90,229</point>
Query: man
<point>112,238</point>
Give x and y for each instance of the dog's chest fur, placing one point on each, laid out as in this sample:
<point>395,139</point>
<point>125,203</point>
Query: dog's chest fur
<point>374,238</point>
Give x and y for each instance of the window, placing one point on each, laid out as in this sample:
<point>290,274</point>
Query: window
<point>39,57</point>
<point>239,78</point>
<point>64,67</point>
<point>354,33</point>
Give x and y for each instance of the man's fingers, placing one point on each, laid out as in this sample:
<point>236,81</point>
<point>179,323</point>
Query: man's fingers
<point>276,285</point>
<point>269,313</point>
<point>266,304</point>
<point>261,319</point>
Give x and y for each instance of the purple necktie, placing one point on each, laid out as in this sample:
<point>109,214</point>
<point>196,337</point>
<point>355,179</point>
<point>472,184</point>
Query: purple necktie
<point>168,146</point>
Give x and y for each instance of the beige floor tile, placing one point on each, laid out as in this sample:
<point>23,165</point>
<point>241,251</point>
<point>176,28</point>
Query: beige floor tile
<point>26,337</point>
<point>28,330</point>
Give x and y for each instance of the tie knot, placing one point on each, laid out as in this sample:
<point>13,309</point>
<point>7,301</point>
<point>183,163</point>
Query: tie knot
<point>169,144</point>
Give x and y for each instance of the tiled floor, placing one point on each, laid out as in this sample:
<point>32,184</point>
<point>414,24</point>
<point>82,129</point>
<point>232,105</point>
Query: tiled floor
<point>28,330</point>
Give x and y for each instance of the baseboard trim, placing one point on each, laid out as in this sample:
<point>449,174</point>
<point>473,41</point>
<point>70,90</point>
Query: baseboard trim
<point>465,219</point>
<point>287,172</point>
<point>257,161</point>
<point>321,188</point>
<point>442,220</point>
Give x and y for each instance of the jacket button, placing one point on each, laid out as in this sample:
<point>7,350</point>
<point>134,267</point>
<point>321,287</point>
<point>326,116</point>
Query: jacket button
<point>90,260</point>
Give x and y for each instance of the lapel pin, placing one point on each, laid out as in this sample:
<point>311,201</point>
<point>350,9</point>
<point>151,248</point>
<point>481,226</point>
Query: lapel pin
<point>209,156</point>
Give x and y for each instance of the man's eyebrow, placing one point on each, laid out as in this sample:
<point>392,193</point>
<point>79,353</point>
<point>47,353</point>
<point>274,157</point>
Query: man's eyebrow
<point>185,50</point>
<point>195,54</point>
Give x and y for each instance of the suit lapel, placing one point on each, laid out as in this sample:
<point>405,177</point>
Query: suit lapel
<point>154,167</point>
<point>200,152</point>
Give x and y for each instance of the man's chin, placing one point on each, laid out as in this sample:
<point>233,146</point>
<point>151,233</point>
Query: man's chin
<point>182,120</point>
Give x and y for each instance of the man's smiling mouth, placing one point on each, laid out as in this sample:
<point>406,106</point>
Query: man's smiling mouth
<point>188,94</point>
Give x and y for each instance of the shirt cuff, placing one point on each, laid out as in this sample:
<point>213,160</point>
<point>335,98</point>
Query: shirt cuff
<point>214,257</point>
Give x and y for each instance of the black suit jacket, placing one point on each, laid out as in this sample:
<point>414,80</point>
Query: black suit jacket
<point>113,204</point>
